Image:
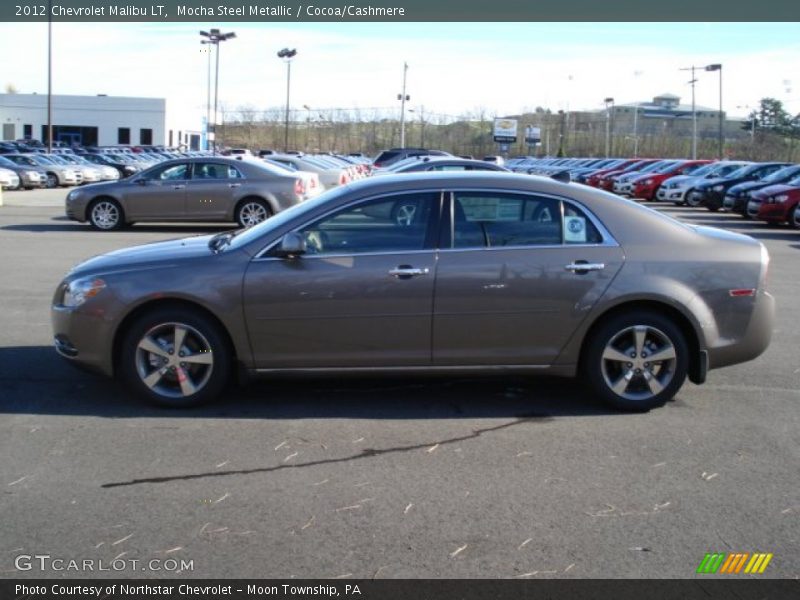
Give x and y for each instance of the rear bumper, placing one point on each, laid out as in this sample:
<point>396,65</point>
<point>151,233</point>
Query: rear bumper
<point>755,340</point>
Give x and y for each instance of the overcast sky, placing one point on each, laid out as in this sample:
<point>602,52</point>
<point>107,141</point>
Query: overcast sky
<point>453,67</point>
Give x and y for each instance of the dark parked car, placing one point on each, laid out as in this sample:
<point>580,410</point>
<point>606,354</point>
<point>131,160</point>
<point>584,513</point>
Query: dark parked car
<point>191,189</point>
<point>440,163</point>
<point>711,193</point>
<point>389,157</point>
<point>737,197</point>
<point>493,273</point>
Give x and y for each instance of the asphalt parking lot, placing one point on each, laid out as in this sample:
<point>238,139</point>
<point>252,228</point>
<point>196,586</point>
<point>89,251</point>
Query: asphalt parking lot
<point>490,478</point>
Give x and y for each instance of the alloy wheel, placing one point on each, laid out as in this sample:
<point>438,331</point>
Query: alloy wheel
<point>174,360</point>
<point>252,213</point>
<point>105,215</point>
<point>638,362</point>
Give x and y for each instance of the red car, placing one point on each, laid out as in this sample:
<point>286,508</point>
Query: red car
<point>594,179</point>
<point>776,203</point>
<point>607,181</point>
<point>646,186</point>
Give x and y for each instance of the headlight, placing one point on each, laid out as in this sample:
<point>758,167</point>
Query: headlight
<point>648,182</point>
<point>718,188</point>
<point>32,174</point>
<point>781,198</point>
<point>73,195</point>
<point>80,290</point>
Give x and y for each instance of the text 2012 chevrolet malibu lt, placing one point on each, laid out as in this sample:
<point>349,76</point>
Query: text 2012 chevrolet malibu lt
<point>446,273</point>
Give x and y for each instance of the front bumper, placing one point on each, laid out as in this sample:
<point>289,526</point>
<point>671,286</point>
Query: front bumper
<point>776,212</point>
<point>737,204</point>
<point>83,338</point>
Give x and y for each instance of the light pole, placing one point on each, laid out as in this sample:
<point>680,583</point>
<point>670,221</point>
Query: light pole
<point>403,98</point>
<point>718,67</point>
<point>694,112</point>
<point>287,55</point>
<point>50,76</point>
<point>752,121</point>
<point>214,37</point>
<point>609,102</point>
<point>208,94</point>
<point>636,74</point>
<point>308,125</point>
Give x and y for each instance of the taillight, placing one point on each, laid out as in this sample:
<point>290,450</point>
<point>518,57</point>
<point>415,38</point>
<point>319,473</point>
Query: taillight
<point>299,188</point>
<point>342,178</point>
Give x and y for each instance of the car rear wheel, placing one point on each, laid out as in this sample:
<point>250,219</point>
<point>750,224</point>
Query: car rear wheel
<point>692,200</point>
<point>636,361</point>
<point>252,212</point>
<point>175,358</point>
<point>52,181</point>
<point>105,214</point>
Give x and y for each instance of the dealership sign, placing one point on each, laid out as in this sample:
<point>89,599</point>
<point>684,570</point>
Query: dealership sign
<point>505,131</point>
<point>533,135</point>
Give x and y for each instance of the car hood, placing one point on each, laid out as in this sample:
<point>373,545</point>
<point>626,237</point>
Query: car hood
<point>145,256</point>
<point>709,183</point>
<point>778,188</point>
<point>747,186</point>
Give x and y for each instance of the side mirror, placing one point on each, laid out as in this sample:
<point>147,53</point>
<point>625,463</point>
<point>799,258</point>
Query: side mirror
<point>292,245</point>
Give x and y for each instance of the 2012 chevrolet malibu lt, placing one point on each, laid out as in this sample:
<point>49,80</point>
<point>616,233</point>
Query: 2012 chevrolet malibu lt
<point>435,272</point>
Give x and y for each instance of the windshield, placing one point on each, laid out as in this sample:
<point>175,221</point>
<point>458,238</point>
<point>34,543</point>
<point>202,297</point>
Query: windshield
<point>704,170</point>
<point>7,163</point>
<point>740,172</point>
<point>43,160</point>
<point>781,174</point>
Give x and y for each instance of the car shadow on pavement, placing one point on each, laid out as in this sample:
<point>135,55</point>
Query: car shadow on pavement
<point>72,226</point>
<point>37,381</point>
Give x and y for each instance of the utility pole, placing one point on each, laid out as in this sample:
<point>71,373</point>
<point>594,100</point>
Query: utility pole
<point>403,97</point>
<point>694,113</point>
<point>50,76</point>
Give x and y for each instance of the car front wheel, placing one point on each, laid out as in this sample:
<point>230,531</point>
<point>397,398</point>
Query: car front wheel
<point>636,361</point>
<point>175,358</point>
<point>105,214</point>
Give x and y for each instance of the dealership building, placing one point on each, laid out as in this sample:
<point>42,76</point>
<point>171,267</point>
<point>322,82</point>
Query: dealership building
<point>93,120</point>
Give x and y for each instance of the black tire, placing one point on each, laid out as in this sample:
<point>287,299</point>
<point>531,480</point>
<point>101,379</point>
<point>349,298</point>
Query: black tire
<point>52,181</point>
<point>794,218</point>
<point>654,383</point>
<point>252,211</point>
<point>154,371</point>
<point>105,214</point>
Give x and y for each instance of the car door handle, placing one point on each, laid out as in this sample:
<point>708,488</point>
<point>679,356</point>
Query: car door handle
<point>582,267</point>
<point>404,272</point>
<point>234,185</point>
<point>178,187</point>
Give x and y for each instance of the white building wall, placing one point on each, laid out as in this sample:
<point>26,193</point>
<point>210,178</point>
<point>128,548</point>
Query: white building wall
<point>107,113</point>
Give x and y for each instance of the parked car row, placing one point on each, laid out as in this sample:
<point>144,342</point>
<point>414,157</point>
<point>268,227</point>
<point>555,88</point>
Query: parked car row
<point>767,191</point>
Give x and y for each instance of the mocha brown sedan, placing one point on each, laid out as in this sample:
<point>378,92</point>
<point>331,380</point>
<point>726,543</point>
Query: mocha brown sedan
<point>443,273</point>
<point>191,189</point>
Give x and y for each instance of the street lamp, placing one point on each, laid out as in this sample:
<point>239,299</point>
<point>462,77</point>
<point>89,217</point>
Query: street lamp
<point>718,67</point>
<point>208,95</point>
<point>214,36</point>
<point>609,102</point>
<point>287,55</point>
<point>636,74</point>
<point>403,98</point>
<point>50,76</point>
